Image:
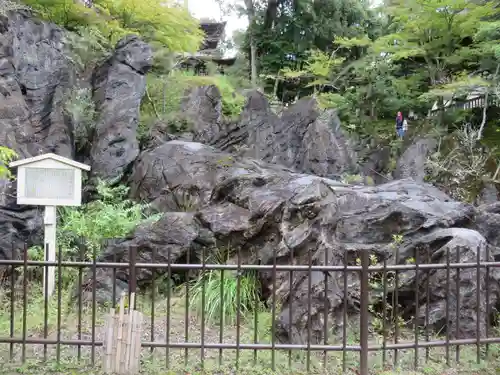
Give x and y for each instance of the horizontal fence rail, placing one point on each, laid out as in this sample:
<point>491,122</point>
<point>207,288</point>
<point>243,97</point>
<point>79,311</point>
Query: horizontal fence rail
<point>207,315</point>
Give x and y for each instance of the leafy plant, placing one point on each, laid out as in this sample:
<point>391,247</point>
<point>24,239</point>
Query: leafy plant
<point>87,46</point>
<point>112,215</point>
<point>221,294</point>
<point>162,102</point>
<point>6,156</point>
<point>154,20</point>
<point>81,109</point>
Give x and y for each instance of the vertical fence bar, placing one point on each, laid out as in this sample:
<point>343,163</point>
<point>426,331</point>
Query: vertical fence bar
<point>153,294</point>
<point>417,304</point>
<point>94,286</point>
<point>59,305</point>
<point>79,297</point>
<point>222,312</point>
<point>457,307</point>
<point>12,304</point>
<point>25,302</point>
<point>238,310</point>
<point>447,311</point>
<point>132,282</point>
<point>325,315</point>
<point>396,308</point>
<point>478,303</point>
<point>255,329</point>
<point>273,315</point>
<point>364,317</point>
<point>385,285</point>
<point>309,308</point>
<point>290,307</point>
<point>46,302</point>
<point>169,289</point>
<point>186,311</point>
<point>427,307</point>
<point>488,305</point>
<point>203,307</point>
<point>113,292</point>
<point>344,317</point>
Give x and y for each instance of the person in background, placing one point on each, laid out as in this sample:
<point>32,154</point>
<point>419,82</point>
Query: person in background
<point>399,125</point>
<point>405,126</point>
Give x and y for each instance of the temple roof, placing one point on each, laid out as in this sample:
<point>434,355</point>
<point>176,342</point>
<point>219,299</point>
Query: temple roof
<point>214,33</point>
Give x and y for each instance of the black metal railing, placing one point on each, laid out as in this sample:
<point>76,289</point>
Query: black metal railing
<point>182,328</point>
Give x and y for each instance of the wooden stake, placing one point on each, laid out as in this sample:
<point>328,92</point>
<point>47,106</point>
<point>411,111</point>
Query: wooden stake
<point>120,333</point>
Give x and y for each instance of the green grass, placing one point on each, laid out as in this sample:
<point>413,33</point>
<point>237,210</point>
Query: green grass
<point>217,291</point>
<point>255,327</point>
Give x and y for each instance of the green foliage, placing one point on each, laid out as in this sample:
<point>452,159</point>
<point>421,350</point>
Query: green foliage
<point>112,215</point>
<point>157,21</point>
<point>80,107</point>
<point>162,102</point>
<point>87,46</point>
<point>6,156</point>
<point>461,166</point>
<point>221,294</point>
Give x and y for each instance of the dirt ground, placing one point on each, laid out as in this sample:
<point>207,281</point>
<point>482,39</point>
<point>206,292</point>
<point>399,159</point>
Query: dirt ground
<point>78,360</point>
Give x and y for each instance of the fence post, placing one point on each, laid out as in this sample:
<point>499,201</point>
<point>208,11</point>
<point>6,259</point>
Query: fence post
<point>132,277</point>
<point>364,317</point>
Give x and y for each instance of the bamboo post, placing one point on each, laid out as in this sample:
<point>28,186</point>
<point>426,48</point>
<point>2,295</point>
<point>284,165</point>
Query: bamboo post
<point>122,340</point>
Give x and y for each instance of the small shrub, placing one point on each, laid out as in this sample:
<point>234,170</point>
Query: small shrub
<point>165,93</point>
<point>352,179</point>
<point>87,46</point>
<point>462,165</point>
<point>6,156</point>
<point>221,295</point>
<point>222,290</point>
<point>110,216</point>
<point>81,109</point>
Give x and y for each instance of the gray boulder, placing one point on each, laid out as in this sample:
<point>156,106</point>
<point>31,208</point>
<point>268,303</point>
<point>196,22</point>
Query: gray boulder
<point>119,85</point>
<point>34,76</point>
<point>202,108</point>
<point>411,163</point>
<point>272,214</point>
<point>304,138</point>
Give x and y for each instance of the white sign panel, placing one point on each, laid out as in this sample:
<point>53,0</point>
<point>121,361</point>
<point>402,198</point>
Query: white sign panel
<point>44,183</point>
<point>49,180</point>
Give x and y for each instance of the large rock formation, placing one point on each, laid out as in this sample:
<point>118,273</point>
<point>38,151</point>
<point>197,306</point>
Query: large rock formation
<point>271,214</point>
<point>412,161</point>
<point>304,138</point>
<point>36,77</point>
<point>119,86</point>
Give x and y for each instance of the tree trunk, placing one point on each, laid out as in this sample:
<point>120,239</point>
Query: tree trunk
<point>253,62</point>
<point>253,48</point>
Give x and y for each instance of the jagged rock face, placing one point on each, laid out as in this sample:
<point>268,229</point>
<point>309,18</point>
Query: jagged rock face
<point>260,209</point>
<point>304,138</point>
<point>412,161</point>
<point>35,77</point>
<point>119,86</point>
<point>202,107</point>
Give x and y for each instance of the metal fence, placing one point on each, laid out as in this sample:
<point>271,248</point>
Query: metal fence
<point>178,333</point>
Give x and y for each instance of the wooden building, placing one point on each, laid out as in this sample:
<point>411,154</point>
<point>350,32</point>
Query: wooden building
<point>210,50</point>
